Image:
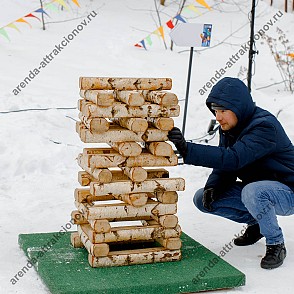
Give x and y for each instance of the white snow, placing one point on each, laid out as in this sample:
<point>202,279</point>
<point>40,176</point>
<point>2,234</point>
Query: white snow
<point>38,148</point>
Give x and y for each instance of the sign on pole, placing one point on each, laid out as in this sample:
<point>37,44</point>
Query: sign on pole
<point>190,35</point>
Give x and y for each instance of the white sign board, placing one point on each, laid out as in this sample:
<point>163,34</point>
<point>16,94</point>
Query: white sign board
<point>191,34</point>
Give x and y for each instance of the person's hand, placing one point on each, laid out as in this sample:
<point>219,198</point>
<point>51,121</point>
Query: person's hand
<point>176,137</point>
<point>208,198</point>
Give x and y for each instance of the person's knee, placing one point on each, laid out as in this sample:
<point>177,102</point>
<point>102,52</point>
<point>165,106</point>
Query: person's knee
<point>250,194</point>
<point>198,200</point>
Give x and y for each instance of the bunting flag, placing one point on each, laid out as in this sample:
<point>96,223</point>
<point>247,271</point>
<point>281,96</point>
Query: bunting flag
<point>170,24</point>
<point>143,43</point>
<point>192,8</point>
<point>203,3</point>
<point>178,17</point>
<point>291,55</point>
<point>51,5</point>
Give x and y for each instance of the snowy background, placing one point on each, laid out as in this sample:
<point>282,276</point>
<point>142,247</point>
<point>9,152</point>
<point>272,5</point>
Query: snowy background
<point>39,144</point>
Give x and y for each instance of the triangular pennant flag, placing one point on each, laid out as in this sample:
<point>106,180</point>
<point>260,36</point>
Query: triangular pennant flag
<point>3,33</point>
<point>138,45</point>
<point>42,11</point>
<point>22,20</point>
<point>31,15</point>
<point>170,24</point>
<point>143,43</point>
<point>61,2</point>
<point>149,41</point>
<point>51,7</point>
<point>193,8</point>
<point>291,55</point>
<point>13,26</point>
<point>161,31</point>
<point>178,17</point>
<point>203,3</point>
<point>156,32</point>
<point>76,2</point>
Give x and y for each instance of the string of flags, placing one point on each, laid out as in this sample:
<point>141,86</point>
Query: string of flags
<point>160,30</point>
<point>24,19</point>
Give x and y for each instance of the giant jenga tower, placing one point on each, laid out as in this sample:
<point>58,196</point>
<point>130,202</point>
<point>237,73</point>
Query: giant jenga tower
<point>126,210</point>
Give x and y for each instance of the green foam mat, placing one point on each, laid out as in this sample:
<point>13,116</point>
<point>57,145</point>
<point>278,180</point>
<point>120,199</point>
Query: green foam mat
<point>65,269</point>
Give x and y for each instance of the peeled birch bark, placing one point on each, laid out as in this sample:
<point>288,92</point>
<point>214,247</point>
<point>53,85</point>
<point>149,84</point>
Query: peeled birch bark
<point>132,98</point>
<point>124,211</point>
<point>135,124</point>
<point>75,240</point>
<point>98,97</point>
<point>127,148</point>
<point>161,97</point>
<point>119,109</point>
<point>134,199</point>
<point>139,256</point>
<point>95,125</point>
<point>148,159</point>
<point>171,243</point>
<point>161,123</point>
<point>96,250</point>
<point>153,134</point>
<point>114,134</point>
<point>127,187</point>
<point>111,83</point>
<point>160,149</point>
<point>136,174</point>
<point>167,221</point>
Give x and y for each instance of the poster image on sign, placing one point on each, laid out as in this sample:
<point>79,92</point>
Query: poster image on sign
<point>206,35</point>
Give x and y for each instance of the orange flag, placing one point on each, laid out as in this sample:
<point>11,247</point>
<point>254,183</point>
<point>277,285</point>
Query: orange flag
<point>76,2</point>
<point>22,20</point>
<point>203,3</point>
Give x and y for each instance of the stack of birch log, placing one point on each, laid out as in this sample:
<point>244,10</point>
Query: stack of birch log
<point>126,210</point>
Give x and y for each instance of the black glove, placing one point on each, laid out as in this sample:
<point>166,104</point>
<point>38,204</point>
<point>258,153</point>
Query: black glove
<point>208,198</point>
<point>176,136</point>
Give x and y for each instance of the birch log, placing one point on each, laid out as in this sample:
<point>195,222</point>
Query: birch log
<point>164,232</point>
<point>114,134</point>
<point>167,221</point>
<point>84,195</point>
<point>127,187</point>
<point>160,149</point>
<point>104,175</point>
<point>153,134</point>
<point>93,249</point>
<point>123,211</point>
<point>127,148</point>
<point>139,256</point>
<point>110,83</point>
<point>162,123</point>
<point>167,196</point>
<point>95,125</point>
<point>136,174</point>
<point>119,109</point>
<point>171,243</point>
<point>161,97</point>
<point>134,199</point>
<point>77,218</point>
<point>100,161</point>
<point>99,97</point>
<point>75,240</point>
<point>135,124</point>
<point>100,225</point>
<point>132,98</point>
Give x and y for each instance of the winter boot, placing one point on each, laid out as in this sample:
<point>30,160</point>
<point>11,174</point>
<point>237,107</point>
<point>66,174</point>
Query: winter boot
<point>251,236</point>
<point>274,257</point>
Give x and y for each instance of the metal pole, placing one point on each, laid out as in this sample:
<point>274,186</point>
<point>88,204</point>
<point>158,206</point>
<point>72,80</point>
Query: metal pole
<point>251,51</point>
<point>42,15</point>
<point>187,90</point>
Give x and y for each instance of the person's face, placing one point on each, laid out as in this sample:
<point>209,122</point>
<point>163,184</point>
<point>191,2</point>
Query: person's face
<point>226,118</point>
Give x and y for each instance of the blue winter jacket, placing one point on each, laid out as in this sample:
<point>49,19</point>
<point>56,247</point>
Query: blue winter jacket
<point>256,149</point>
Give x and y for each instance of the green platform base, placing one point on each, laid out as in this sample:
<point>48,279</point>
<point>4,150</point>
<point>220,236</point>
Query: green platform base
<point>65,269</point>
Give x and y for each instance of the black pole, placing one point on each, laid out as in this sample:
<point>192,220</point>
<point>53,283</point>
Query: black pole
<point>42,15</point>
<point>251,51</point>
<point>187,90</point>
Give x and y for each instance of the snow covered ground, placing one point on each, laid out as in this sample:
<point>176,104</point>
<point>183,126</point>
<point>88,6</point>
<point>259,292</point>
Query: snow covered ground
<point>39,144</point>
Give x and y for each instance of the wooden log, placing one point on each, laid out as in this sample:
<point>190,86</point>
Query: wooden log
<point>148,159</point>
<point>135,124</point>
<point>127,148</point>
<point>134,199</point>
<point>95,125</point>
<point>162,123</point>
<point>167,196</point>
<point>84,195</point>
<point>75,240</point>
<point>97,250</point>
<point>127,187</point>
<point>104,175</point>
<point>119,109</point>
<point>160,148</point>
<point>153,134</point>
<point>78,218</point>
<point>114,134</point>
<point>100,225</point>
<point>165,233</point>
<point>171,243</point>
<point>138,256</point>
<point>124,211</point>
<point>136,174</point>
<point>129,233</point>
<point>99,97</point>
<point>167,221</point>
<point>132,98</point>
<point>111,83</point>
<point>161,97</point>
